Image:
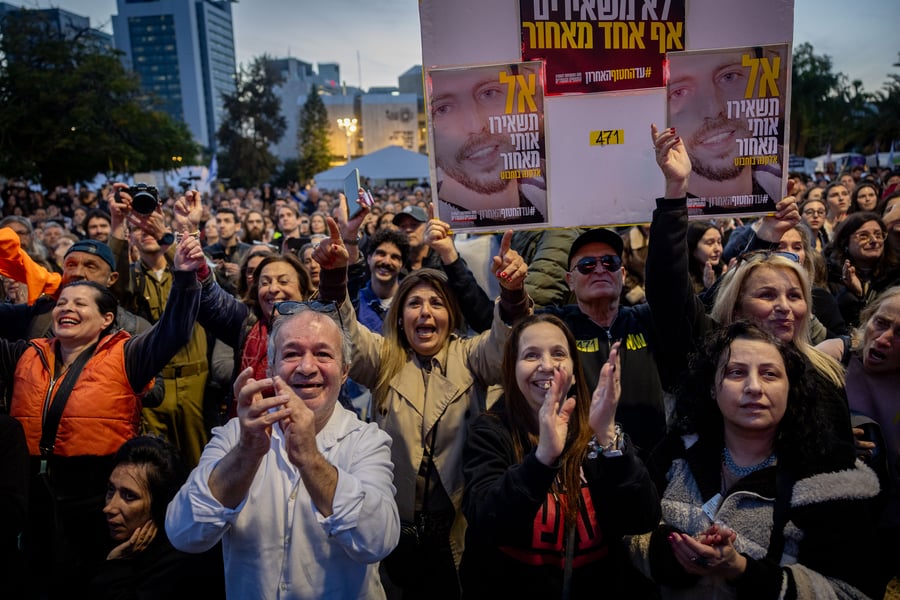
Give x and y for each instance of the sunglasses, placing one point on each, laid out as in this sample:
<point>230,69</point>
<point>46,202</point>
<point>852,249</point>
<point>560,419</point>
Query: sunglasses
<point>763,254</point>
<point>588,264</point>
<point>292,307</point>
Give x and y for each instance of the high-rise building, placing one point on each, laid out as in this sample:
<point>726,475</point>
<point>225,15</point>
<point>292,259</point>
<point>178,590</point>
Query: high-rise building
<point>183,52</point>
<point>60,21</point>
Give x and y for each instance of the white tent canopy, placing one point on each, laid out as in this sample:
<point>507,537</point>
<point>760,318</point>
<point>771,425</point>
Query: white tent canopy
<point>383,166</point>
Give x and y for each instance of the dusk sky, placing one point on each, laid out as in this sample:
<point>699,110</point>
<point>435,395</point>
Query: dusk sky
<point>860,36</point>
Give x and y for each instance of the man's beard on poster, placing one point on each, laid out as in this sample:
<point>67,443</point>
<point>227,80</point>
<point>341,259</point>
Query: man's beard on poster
<point>490,182</point>
<point>709,170</point>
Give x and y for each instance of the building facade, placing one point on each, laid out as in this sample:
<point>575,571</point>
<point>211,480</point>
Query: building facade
<point>183,53</point>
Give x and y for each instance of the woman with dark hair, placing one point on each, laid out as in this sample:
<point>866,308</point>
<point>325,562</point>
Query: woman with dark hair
<point>757,499</point>
<point>317,223</point>
<point>864,197</point>
<point>147,473</point>
<point>704,242</point>
<point>427,383</point>
<point>78,398</point>
<point>837,203</point>
<point>313,269</point>
<point>812,211</point>
<point>859,264</point>
<point>248,265</point>
<point>244,325</point>
<point>551,484</point>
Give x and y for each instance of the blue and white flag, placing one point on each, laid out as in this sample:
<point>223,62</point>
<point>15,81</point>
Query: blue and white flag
<point>213,169</point>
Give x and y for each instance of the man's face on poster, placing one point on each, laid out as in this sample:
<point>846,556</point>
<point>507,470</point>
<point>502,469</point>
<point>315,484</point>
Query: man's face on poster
<point>464,147</point>
<point>700,87</point>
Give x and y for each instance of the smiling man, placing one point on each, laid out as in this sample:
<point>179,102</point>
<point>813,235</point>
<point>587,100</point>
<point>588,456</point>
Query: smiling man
<point>388,251</point>
<point>295,467</point>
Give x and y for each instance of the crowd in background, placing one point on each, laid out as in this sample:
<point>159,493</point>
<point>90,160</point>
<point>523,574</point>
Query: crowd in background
<point>263,247</point>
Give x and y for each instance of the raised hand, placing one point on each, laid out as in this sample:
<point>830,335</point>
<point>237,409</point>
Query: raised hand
<point>188,212</point>
<point>787,215</point>
<point>439,237</point>
<point>189,255</point>
<point>331,252</point>
<point>299,426</point>
<point>673,160</point>
<point>508,266</point>
<point>257,412</point>
<point>605,399</point>
<point>554,417</point>
<point>137,543</point>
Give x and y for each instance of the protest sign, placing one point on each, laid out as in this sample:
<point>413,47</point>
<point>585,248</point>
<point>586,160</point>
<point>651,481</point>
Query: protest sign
<point>487,136</point>
<point>728,106</point>
<point>601,47</point>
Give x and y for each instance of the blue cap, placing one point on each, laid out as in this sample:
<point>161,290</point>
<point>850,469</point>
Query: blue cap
<point>96,248</point>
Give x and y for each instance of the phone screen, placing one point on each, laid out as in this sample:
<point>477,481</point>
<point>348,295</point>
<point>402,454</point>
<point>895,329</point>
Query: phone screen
<point>351,190</point>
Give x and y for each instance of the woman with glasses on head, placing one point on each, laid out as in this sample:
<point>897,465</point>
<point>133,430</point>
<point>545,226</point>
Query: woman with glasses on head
<point>860,265</point>
<point>771,290</point>
<point>428,383</point>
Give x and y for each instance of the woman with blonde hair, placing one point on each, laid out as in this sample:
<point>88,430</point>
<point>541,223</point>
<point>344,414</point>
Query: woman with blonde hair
<point>768,288</point>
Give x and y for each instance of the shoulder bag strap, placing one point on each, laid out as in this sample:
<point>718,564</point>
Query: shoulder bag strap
<point>55,410</point>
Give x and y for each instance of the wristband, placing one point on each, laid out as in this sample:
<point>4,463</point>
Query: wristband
<point>348,242</point>
<point>614,448</point>
<point>180,236</point>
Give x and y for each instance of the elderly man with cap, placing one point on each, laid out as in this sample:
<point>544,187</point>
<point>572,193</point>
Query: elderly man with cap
<point>597,320</point>
<point>411,221</point>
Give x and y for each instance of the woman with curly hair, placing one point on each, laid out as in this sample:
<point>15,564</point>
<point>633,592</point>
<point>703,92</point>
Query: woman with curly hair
<point>860,265</point>
<point>759,500</point>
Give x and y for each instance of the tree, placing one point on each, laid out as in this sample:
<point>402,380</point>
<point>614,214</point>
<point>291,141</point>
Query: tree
<point>314,129</point>
<point>253,123</point>
<point>815,101</point>
<point>70,110</point>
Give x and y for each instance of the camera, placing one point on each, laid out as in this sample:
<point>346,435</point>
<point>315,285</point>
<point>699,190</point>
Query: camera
<point>144,198</point>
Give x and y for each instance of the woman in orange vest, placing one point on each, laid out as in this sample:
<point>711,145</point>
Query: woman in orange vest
<point>78,398</point>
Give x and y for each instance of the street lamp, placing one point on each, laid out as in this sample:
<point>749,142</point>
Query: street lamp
<point>348,125</point>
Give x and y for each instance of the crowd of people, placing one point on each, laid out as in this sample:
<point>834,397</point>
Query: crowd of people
<point>252,393</point>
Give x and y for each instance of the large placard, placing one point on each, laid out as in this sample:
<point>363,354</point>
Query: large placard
<point>728,106</point>
<point>487,135</point>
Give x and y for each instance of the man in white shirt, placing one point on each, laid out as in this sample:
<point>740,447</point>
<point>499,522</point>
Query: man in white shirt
<point>297,488</point>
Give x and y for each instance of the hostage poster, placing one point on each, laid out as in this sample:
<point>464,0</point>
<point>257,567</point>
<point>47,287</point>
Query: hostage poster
<point>601,46</point>
<point>728,105</point>
<point>487,136</point>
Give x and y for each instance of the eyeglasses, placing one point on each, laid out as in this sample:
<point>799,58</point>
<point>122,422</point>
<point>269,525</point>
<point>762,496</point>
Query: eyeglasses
<point>864,237</point>
<point>810,212</point>
<point>292,307</point>
<point>764,254</point>
<point>588,264</point>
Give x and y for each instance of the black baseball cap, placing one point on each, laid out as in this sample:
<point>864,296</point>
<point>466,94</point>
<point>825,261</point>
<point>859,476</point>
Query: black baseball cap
<point>96,248</point>
<point>591,236</point>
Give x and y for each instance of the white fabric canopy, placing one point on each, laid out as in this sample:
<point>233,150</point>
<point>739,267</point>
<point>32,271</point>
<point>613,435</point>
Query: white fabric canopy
<point>392,163</point>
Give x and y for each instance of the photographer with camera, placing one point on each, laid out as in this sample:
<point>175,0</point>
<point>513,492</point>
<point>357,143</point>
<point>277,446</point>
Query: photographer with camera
<point>143,288</point>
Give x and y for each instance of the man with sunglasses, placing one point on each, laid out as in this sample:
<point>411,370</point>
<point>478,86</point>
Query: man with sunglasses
<point>297,488</point>
<point>598,320</point>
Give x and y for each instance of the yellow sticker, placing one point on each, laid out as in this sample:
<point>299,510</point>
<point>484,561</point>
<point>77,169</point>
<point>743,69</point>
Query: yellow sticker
<point>607,137</point>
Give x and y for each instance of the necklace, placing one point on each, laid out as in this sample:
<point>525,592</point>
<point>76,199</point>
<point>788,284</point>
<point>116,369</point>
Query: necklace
<point>744,471</point>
